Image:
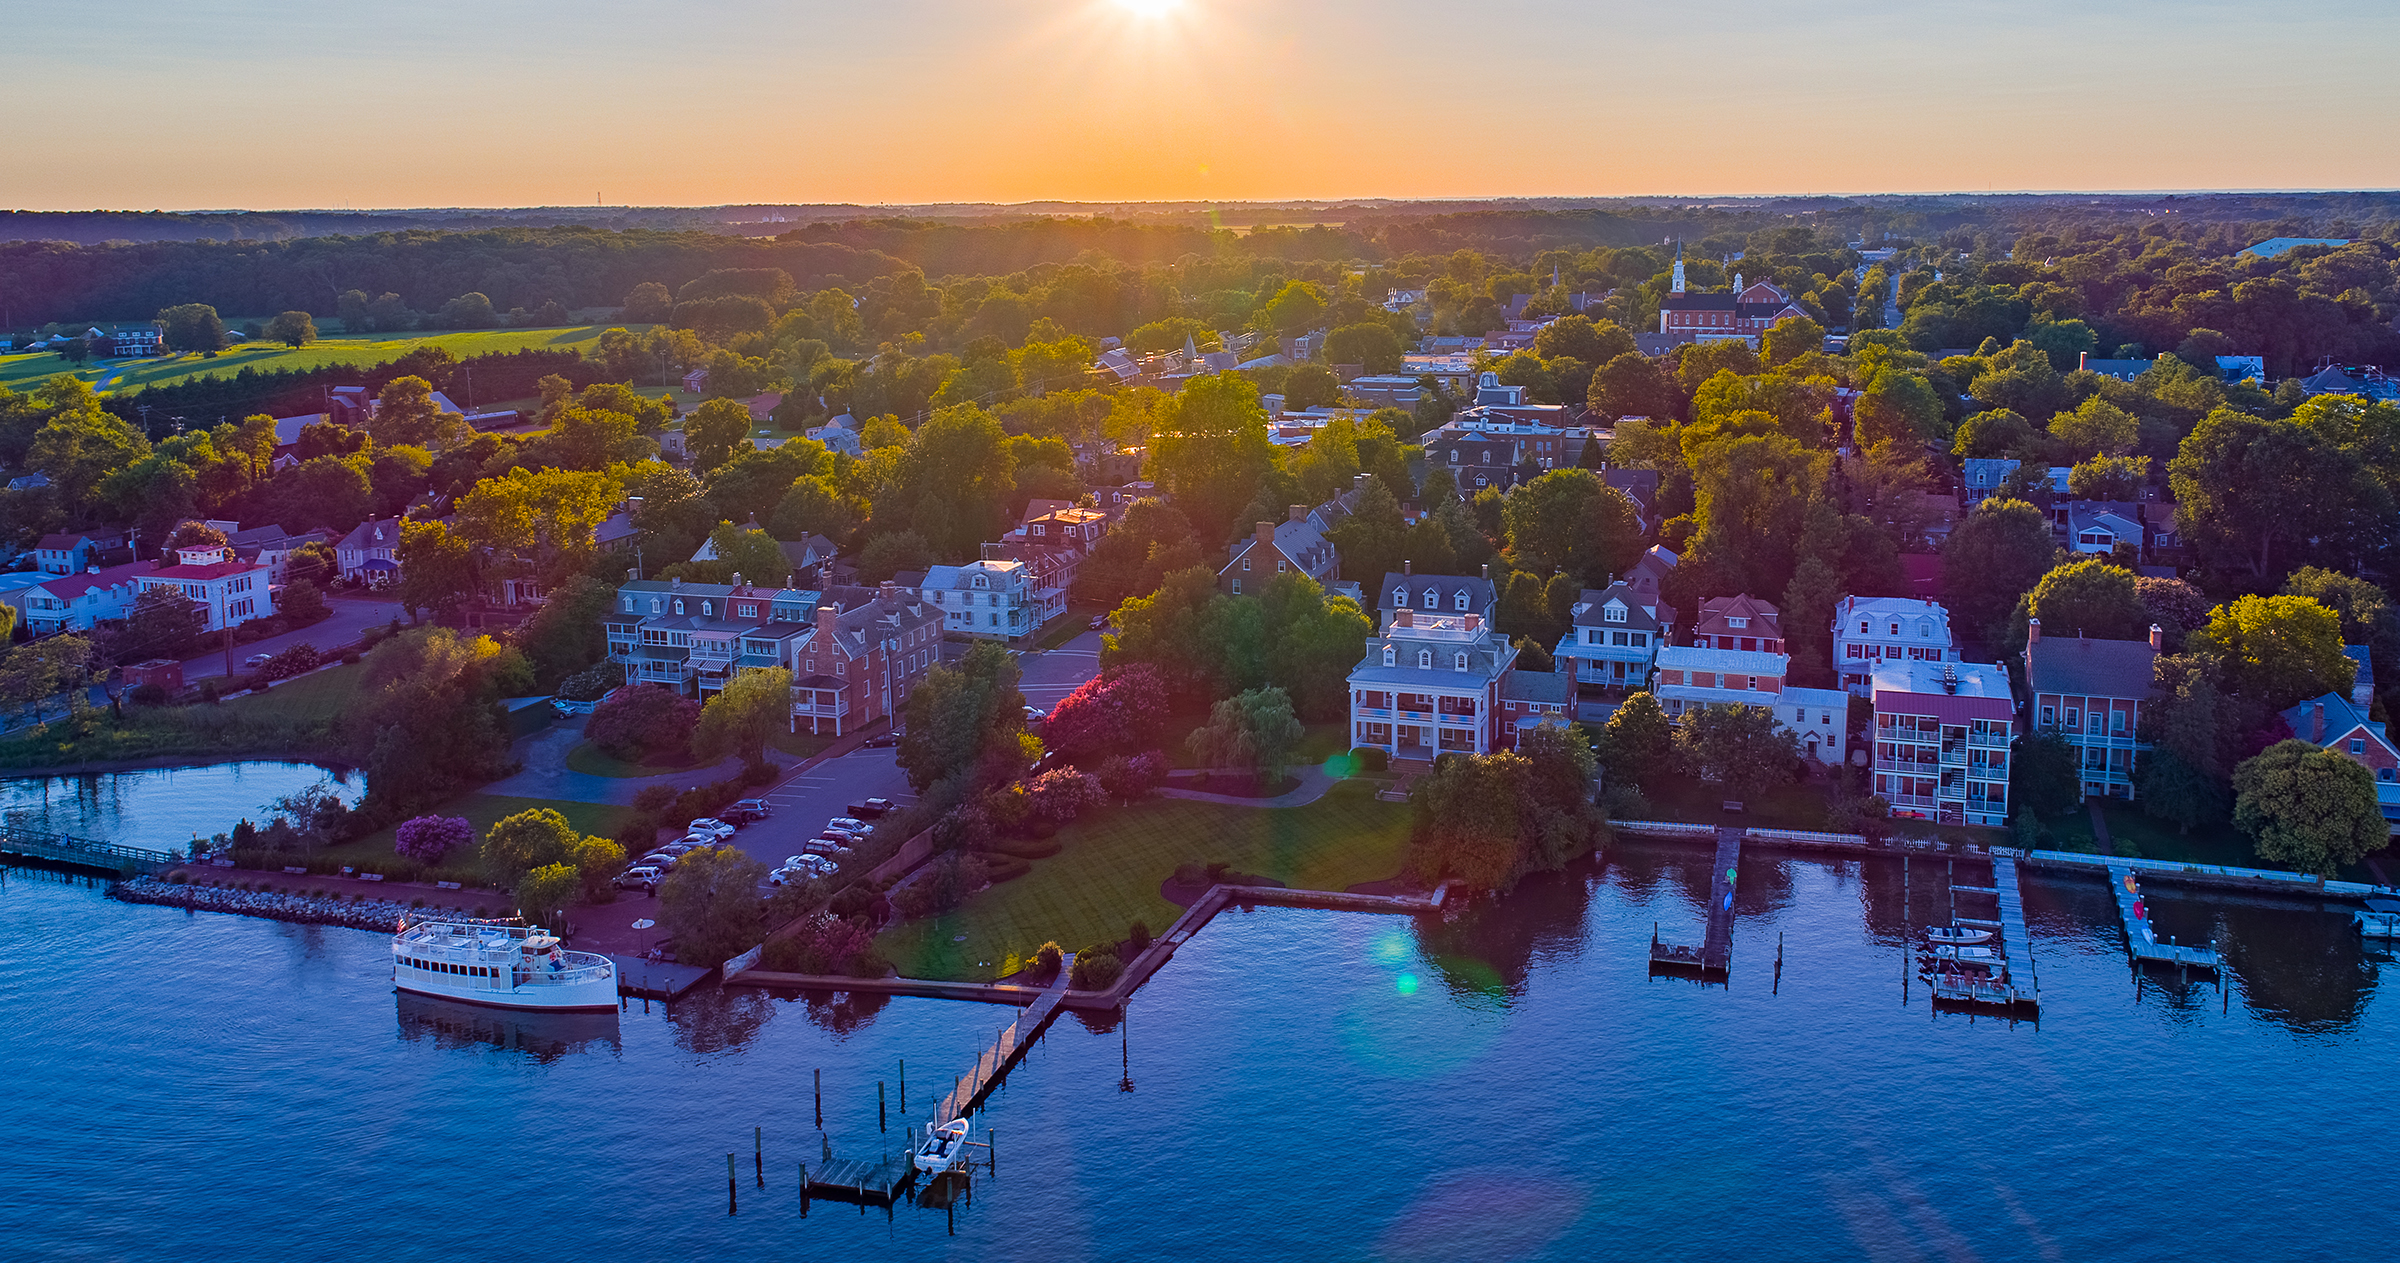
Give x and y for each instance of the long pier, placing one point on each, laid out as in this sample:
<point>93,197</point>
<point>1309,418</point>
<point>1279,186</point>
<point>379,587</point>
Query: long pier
<point>2019,988</point>
<point>2141,940</point>
<point>1715,955</point>
<point>64,848</point>
<point>1010,1045</point>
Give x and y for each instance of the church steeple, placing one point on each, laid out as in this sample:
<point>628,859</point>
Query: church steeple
<point>1676,286</point>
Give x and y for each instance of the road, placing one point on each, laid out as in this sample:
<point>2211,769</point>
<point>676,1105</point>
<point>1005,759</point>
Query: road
<point>351,615</point>
<point>1052,674</point>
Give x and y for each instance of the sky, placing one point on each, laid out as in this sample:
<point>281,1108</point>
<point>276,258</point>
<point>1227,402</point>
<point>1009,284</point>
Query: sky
<point>219,104</point>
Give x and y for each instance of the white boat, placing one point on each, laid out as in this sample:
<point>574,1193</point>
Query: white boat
<point>1970,955</point>
<point>504,966</point>
<point>2384,925</point>
<point>944,1147</point>
<point>1955,935</point>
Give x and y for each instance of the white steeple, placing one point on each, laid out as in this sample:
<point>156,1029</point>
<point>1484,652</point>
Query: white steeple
<point>1676,286</point>
<point>1737,284</point>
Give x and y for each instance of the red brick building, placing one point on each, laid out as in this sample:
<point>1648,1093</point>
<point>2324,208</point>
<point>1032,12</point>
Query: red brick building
<point>869,647</point>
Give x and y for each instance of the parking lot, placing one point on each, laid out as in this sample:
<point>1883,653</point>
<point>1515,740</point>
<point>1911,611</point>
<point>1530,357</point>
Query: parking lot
<point>804,803</point>
<point>1053,673</point>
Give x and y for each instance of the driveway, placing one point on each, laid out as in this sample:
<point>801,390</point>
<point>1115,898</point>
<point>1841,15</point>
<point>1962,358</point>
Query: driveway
<point>351,615</point>
<point>1051,674</point>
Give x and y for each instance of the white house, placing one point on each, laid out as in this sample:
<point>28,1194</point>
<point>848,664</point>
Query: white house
<point>992,599</point>
<point>1872,629</point>
<point>74,602</point>
<point>228,591</point>
<point>370,551</point>
<point>1430,682</point>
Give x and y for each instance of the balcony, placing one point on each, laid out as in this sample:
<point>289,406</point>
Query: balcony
<point>1954,755</point>
<point>815,707</point>
<point>1990,740</point>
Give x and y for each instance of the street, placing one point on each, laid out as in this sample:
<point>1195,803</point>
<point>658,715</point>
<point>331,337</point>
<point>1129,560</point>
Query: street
<point>1052,674</point>
<point>351,615</point>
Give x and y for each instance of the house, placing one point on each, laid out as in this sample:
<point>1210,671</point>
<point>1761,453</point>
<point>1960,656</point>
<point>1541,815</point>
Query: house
<point>696,381</point>
<point>14,586</point>
<point>1293,546</point>
<point>1694,676</point>
<point>2091,692</point>
<point>1942,736</point>
<point>228,591</point>
<point>369,553</point>
<point>2122,370</point>
<point>861,655</point>
<point>271,546</point>
<point>2098,526</point>
<point>139,340</point>
<point>1615,635</point>
<point>693,637</point>
<point>837,438</point>
<point>1386,390</point>
<point>1875,629</point>
<point>1475,460</point>
<point>1743,312</point>
<point>1820,718</point>
<point>1058,524</point>
<point>2362,685</point>
<point>72,552</point>
<point>166,673</point>
<point>1529,699</point>
<point>2333,722</point>
<point>1639,486</point>
<point>1430,680</point>
<point>1742,623</point>
<point>803,556</point>
<point>990,599</point>
<point>29,482</point>
<point>77,601</point>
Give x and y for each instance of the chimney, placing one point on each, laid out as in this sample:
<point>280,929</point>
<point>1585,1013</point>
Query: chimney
<point>633,505</point>
<point>1266,533</point>
<point>1474,622</point>
<point>2316,725</point>
<point>2158,639</point>
<point>888,596</point>
<point>737,580</point>
<point>827,612</point>
<point>675,582</point>
<point>1405,565</point>
<point>1404,617</point>
<point>633,574</point>
<point>1487,572</point>
<point>2033,631</point>
<point>1297,511</point>
<point>825,577</point>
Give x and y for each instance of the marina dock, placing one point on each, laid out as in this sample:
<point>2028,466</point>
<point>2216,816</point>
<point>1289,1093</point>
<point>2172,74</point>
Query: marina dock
<point>655,979</point>
<point>63,848</point>
<point>2141,940</point>
<point>1004,1051</point>
<point>856,1179</point>
<point>1714,957</point>
<point>2021,989</point>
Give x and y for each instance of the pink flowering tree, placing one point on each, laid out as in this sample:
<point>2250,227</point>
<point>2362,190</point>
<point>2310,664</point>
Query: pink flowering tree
<point>1122,708</point>
<point>427,839</point>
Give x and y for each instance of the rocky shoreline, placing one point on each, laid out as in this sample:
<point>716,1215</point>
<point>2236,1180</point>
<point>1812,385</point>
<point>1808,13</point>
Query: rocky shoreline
<point>381,915</point>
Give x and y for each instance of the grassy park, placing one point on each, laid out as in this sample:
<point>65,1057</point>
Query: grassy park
<point>364,350</point>
<point>1108,872</point>
<point>483,811</point>
<point>287,720</point>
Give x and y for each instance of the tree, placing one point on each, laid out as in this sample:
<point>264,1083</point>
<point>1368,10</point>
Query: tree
<point>544,893</point>
<point>1311,386</point>
<point>1632,385</point>
<point>1373,540</point>
<point>2173,604</point>
<point>2310,808</point>
<point>1212,453</point>
<point>647,303</point>
<point>566,635</point>
<point>714,430</point>
<point>1486,820</point>
<point>32,673</point>
<point>1994,434</point>
<point>330,491</point>
<point>953,483</point>
<point>1753,498</point>
<point>2363,608</point>
<point>81,445</point>
<point>2095,427</point>
<point>437,568</point>
<point>1372,345</point>
<point>2188,722</point>
<point>709,902</point>
<point>1740,748</point>
<point>406,415</point>
<point>751,707</point>
<point>2044,778</point>
<point>2108,477</point>
<point>1638,744</point>
<point>528,840</point>
<point>1294,310</point>
<point>1569,520</point>
<point>1168,630</point>
<point>1254,731</point>
<point>1897,404</point>
<point>1790,339</point>
<point>191,327</point>
<point>598,861</point>
<point>162,624</point>
<point>888,555</point>
<point>301,602</point>
<point>642,721</point>
<point>426,839</point>
<point>472,310</point>
<point>964,721</point>
<point>293,328</point>
<point>2089,598</point>
<point>1121,709</point>
<point>1995,556</point>
<point>1581,338</point>
<point>2276,651</point>
<point>540,522</point>
<point>2246,486</point>
<point>432,700</point>
<point>1313,640</point>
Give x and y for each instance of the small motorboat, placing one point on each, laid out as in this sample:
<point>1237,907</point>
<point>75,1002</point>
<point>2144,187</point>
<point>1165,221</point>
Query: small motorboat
<point>2383,925</point>
<point>1967,955</point>
<point>944,1147</point>
<point>1955,935</point>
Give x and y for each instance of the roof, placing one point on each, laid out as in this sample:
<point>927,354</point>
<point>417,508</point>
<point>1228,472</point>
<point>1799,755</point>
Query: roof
<point>1643,610</point>
<point>198,574</point>
<point>1445,588</point>
<point>1905,681</point>
<point>2120,516</point>
<point>1639,485</point>
<point>1722,661</point>
<point>372,533</point>
<point>1537,686</point>
<point>2090,668</point>
<point>1718,611</point>
<point>1300,541</point>
<point>2341,719</point>
<point>67,587</point>
<point>1834,700</point>
<point>63,541</point>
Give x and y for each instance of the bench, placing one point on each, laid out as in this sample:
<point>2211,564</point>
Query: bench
<point>446,885</point>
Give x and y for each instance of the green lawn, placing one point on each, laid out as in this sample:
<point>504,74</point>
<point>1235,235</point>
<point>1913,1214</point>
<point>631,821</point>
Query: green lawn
<point>1108,875</point>
<point>1319,743</point>
<point>287,721</point>
<point>2137,834</point>
<point>591,760</point>
<point>22,372</point>
<point>1800,805</point>
<point>483,811</point>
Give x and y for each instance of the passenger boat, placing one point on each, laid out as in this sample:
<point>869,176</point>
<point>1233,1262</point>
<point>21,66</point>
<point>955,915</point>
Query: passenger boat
<point>506,966</point>
<point>1955,935</point>
<point>944,1147</point>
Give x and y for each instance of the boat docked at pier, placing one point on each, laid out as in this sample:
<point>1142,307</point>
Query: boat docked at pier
<point>943,1149</point>
<point>1955,935</point>
<point>508,966</point>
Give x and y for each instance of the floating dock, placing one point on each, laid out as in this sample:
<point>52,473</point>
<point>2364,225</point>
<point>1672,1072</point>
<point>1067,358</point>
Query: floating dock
<point>1714,956</point>
<point>655,979</point>
<point>852,1179</point>
<point>2141,941</point>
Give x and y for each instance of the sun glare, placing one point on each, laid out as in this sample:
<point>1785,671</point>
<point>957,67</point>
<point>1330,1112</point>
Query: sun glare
<point>1149,8</point>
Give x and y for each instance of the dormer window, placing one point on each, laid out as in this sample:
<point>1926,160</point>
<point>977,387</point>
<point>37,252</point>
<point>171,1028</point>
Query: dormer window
<point>1895,627</point>
<point>679,605</point>
<point>1461,601</point>
<point>654,605</point>
<point>981,582</point>
<point>1461,663</point>
<point>1737,622</point>
<point>1390,656</point>
<point>1433,600</point>
<point>708,609</point>
<point>629,605</point>
<point>1613,613</point>
<point>1400,597</point>
<point>1925,631</point>
<point>1862,627</point>
<point>1425,659</point>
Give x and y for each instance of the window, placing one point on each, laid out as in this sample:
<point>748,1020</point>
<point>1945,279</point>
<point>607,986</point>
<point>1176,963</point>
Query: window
<point>1280,566</point>
<point>2049,716</point>
<point>2074,720</point>
<point>1389,655</point>
<point>1425,659</point>
<point>1613,613</point>
<point>629,605</point>
<point>1862,627</point>
<point>1857,651</point>
<point>840,667</point>
<point>1737,622</point>
<point>2383,773</point>
<point>1460,601</point>
<point>1245,565</point>
<point>1400,597</point>
<point>679,605</point>
<point>2358,745</point>
<point>708,609</point>
<point>1237,584</point>
<point>1433,600</point>
<point>1460,664</point>
<point>1895,627</point>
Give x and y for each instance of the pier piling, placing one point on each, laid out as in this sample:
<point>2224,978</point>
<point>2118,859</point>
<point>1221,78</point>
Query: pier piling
<point>732,1207</point>
<point>904,1085</point>
<point>758,1140</point>
<point>879,1118</point>
<point>820,1074</point>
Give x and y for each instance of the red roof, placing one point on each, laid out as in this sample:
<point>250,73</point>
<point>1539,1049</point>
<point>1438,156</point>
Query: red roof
<point>202,574</point>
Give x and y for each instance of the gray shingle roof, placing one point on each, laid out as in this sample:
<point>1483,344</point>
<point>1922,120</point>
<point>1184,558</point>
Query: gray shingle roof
<point>1444,587</point>
<point>2090,668</point>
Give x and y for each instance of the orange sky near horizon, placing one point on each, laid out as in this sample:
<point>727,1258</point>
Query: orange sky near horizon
<point>233,103</point>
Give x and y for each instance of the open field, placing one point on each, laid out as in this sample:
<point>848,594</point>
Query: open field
<point>22,372</point>
<point>287,721</point>
<point>1108,873</point>
<point>483,811</point>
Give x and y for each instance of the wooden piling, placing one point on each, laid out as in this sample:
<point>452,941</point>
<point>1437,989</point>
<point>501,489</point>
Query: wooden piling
<point>820,1099</point>
<point>904,1085</point>
<point>804,1190</point>
<point>879,1117</point>
<point>731,1206</point>
<point>758,1141</point>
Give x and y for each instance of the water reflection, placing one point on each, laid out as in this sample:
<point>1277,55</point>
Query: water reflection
<point>1485,952</point>
<point>711,1020</point>
<point>841,1012</point>
<point>2300,967</point>
<point>544,1037</point>
<point>165,807</point>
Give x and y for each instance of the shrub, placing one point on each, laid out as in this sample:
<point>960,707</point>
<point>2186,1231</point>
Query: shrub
<point>349,657</point>
<point>1061,794</point>
<point>297,660</point>
<point>962,829</point>
<point>642,720</point>
<point>826,944</point>
<point>639,835</point>
<point>178,877</point>
<point>1131,778</point>
<point>762,774</point>
<point>1005,868</point>
<point>428,838</point>
<point>940,885</point>
<point>1045,961</point>
<point>146,695</point>
<point>1095,969</point>
<point>653,800</point>
<point>1137,936</point>
<point>1024,848</point>
<point>591,685</point>
<point>1373,759</point>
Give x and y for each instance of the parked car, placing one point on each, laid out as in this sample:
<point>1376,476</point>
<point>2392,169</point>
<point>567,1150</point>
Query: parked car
<point>709,825</point>
<point>869,808</point>
<point>825,846</point>
<point>641,878</point>
<point>848,825</point>
<point>747,810</point>
<point>564,708</point>
<point>258,659</point>
<point>790,876</point>
<point>882,741</point>
<point>1035,715</point>
<point>846,837</point>
<point>683,845</point>
<point>1098,621</point>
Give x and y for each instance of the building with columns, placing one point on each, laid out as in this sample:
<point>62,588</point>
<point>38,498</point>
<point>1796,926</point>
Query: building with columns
<point>1430,682</point>
<point>1744,312</point>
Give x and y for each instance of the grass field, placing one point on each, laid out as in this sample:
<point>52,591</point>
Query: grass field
<point>591,760</point>
<point>2134,833</point>
<point>1319,743</point>
<point>483,811</point>
<point>286,721</point>
<point>23,372</point>
<point>1108,873</point>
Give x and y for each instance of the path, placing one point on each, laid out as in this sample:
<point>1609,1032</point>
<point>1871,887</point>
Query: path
<point>995,1060</point>
<point>1313,785</point>
<point>2108,845</point>
<point>547,775</point>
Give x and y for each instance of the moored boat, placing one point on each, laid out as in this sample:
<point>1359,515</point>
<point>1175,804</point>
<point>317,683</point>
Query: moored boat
<point>508,966</point>
<point>1966,955</point>
<point>1955,935</point>
<point>943,1149</point>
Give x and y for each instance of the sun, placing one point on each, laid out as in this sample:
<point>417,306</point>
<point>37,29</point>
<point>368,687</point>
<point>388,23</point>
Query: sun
<point>1149,8</point>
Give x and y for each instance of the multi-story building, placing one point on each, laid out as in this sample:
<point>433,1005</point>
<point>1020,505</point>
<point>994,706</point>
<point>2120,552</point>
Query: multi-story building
<point>74,602</point>
<point>990,600</point>
<point>693,637</point>
<point>2091,692</point>
<point>860,656</point>
<point>1615,636</point>
<point>1430,682</point>
<point>73,552</point>
<point>2098,526</point>
<point>1868,630</point>
<point>1743,312</point>
<point>2336,723</point>
<point>1742,623</point>
<point>1942,735</point>
<point>1692,678</point>
<point>228,591</point>
<point>1296,545</point>
<point>370,552</point>
<point>1052,542</point>
<point>1529,699</point>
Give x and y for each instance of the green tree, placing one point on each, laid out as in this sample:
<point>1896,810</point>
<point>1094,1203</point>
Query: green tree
<point>1994,434</point>
<point>2095,428</point>
<point>1295,309</point>
<point>1739,748</point>
<point>293,328</point>
<point>471,310</point>
<point>710,904</point>
<point>1371,344</point>
<point>1897,404</point>
<point>1569,520</point>
<point>1753,500</point>
<point>405,414</point>
<point>437,568</point>
<point>2246,487</point>
<point>528,840</point>
<point>80,446</point>
<point>544,893</point>
<point>1581,338</point>
<point>2108,477</point>
<point>1632,385</point>
<point>1789,339</point>
<point>191,327</point>
<point>1212,454</point>
<point>741,718</point>
<point>714,430</point>
<point>955,482</point>
<point>2276,651</point>
<point>2089,598</point>
<point>1373,539</point>
<point>598,861</point>
<point>2365,610</point>
<point>2308,808</point>
<point>2044,778</point>
<point>2183,778</point>
<point>1253,731</point>
<point>1638,744</point>
<point>1313,639</point>
<point>963,721</point>
<point>1995,556</point>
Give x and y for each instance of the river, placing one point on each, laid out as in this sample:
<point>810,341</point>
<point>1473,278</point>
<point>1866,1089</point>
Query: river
<point>161,808</point>
<point>1510,1085</point>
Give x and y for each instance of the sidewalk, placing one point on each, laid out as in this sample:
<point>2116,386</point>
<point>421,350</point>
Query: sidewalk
<point>1314,784</point>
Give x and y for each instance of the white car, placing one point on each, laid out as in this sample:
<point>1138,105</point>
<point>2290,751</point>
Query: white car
<point>853,827</point>
<point>645,878</point>
<point>824,846</point>
<point>709,825</point>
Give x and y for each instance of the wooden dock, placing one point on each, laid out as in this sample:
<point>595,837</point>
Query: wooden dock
<point>655,979</point>
<point>64,848</point>
<point>1005,1050</point>
<point>2018,989</point>
<point>2141,940</point>
<point>854,1179</point>
<point>1714,956</point>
